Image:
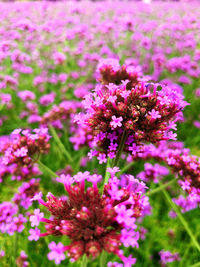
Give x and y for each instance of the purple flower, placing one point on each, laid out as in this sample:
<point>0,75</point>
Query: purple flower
<point>197,124</point>
<point>37,196</point>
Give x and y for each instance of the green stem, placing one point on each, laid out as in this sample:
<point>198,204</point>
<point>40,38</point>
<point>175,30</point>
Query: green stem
<point>84,261</point>
<point>77,160</point>
<point>128,166</point>
<point>60,144</point>
<point>1,107</point>
<point>181,218</point>
<point>16,243</point>
<point>107,174</point>
<point>160,188</point>
<point>103,259</point>
<point>182,263</point>
<point>49,171</point>
<point>120,149</point>
<point>195,265</point>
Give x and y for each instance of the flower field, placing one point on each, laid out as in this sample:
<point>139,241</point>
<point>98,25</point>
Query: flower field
<point>100,134</point>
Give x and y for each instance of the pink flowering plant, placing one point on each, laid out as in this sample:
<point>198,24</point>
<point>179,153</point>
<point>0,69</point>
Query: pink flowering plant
<point>99,134</point>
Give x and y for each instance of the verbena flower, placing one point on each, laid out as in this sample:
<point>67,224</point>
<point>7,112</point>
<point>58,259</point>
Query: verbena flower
<point>26,192</point>
<point>153,172</point>
<point>60,113</point>
<point>22,149</point>
<point>124,104</point>
<point>182,164</point>
<point>94,222</point>
<point>57,252</point>
<point>10,220</point>
<point>167,256</point>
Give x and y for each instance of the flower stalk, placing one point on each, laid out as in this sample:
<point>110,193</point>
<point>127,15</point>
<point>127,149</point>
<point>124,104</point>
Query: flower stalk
<point>103,258</point>
<point>60,144</point>
<point>120,149</point>
<point>158,189</point>
<point>181,218</point>
<point>46,169</point>
<point>84,261</point>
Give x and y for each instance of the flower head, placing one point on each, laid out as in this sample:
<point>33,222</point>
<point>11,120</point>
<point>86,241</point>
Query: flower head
<point>123,102</point>
<point>93,222</point>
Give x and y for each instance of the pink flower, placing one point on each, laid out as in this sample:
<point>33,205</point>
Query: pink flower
<point>34,234</point>
<point>2,253</point>
<point>197,124</point>
<point>124,215</point>
<point>154,114</point>
<point>56,252</point>
<point>111,213</point>
<point>113,170</point>
<point>116,122</point>
<point>129,238</point>
<point>102,158</point>
<point>36,218</point>
<point>21,152</point>
<point>129,261</point>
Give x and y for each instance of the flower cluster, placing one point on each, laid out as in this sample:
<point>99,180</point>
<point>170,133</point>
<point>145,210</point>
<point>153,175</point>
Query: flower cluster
<point>167,256</point>
<point>152,173</point>
<point>124,104</point>
<point>92,221</point>
<point>182,164</point>
<point>57,114</point>
<point>81,136</point>
<point>189,202</point>
<point>10,220</point>
<point>186,166</point>
<point>23,148</point>
<point>26,192</point>
<point>4,171</point>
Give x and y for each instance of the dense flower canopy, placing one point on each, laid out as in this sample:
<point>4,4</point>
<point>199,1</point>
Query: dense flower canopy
<point>92,115</point>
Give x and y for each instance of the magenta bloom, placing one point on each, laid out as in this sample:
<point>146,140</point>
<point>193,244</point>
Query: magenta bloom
<point>21,149</point>
<point>34,234</point>
<point>10,220</point>
<point>93,222</point>
<point>123,103</point>
<point>36,218</point>
<point>57,252</point>
<point>167,256</point>
<point>26,192</point>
